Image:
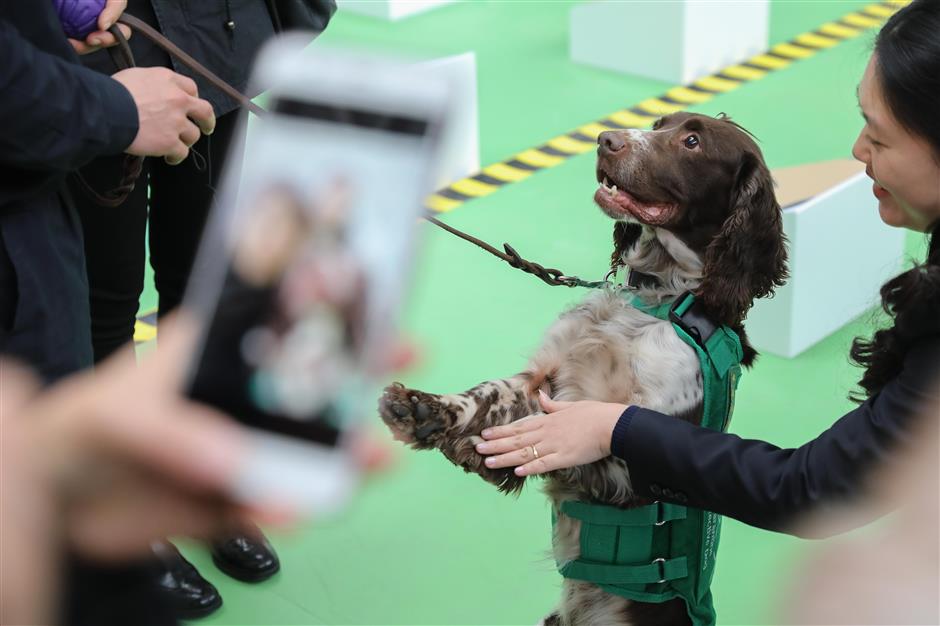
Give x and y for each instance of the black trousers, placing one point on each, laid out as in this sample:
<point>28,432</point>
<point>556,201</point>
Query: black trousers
<point>175,200</point>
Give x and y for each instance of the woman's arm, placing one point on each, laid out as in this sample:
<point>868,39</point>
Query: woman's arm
<point>752,481</point>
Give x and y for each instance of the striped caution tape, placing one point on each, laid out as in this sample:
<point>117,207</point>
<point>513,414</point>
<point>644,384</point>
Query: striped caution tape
<point>145,329</point>
<point>584,138</point>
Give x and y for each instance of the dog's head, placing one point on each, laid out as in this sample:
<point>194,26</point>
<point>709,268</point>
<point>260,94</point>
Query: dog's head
<point>699,188</point>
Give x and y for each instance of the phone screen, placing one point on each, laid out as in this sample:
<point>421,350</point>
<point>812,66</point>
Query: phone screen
<point>301,287</point>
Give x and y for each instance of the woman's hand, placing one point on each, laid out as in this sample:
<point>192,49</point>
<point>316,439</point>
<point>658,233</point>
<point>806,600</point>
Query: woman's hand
<point>569,434</point>
<point>101,38</point>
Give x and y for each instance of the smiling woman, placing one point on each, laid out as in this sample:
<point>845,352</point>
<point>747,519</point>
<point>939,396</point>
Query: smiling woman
<point>900,142</point>
<point>900,145</point>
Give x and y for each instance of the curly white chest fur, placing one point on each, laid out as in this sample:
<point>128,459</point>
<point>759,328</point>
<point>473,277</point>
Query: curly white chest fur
<point>606,350</point>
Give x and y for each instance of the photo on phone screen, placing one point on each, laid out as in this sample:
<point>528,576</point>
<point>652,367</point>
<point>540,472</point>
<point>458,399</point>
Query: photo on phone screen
<point>300,282</point>
<point>288,327</point>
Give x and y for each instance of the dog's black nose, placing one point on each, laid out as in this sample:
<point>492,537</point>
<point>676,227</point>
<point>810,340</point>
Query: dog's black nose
<point>611,140</point>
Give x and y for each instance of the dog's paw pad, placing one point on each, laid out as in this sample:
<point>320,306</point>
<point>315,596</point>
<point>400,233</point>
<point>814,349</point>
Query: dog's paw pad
<point>413,416</point>
<point>400,410</point>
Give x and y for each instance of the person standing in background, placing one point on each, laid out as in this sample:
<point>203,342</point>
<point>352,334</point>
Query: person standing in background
<point>57,116</point>
<point>225,36</point>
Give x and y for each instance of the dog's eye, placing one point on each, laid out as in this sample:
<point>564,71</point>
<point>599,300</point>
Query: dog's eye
<point>691,142</point>
<point>657,124</point>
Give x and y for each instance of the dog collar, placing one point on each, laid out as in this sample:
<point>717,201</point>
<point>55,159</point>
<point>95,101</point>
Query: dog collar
<point>636,280</point>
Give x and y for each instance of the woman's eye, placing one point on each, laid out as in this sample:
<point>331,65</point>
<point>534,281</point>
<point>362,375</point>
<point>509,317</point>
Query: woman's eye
<point>691,142</point>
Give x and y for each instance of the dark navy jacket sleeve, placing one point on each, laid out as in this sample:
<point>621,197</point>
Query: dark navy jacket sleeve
<point>766,486</point>
<point>56,115</point>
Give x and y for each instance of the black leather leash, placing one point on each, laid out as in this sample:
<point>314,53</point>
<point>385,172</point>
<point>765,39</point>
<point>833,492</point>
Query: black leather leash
<point>124,58</point>
<point>132,165</point>
<point>172,49</point>
<point>548,275</point>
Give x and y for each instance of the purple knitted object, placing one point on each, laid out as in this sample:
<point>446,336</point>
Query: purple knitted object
<point>79,17</point>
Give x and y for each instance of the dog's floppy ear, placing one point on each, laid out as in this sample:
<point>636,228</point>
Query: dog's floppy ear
<point>625,235</point>
<point>748,257</point>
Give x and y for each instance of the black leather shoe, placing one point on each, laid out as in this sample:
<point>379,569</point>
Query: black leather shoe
<point>189,594</point>
<point>249,558</point>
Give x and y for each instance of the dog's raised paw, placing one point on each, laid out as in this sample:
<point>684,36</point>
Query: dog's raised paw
<point>414,417</point>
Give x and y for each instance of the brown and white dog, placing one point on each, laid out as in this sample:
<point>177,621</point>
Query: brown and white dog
<point>694,207</point>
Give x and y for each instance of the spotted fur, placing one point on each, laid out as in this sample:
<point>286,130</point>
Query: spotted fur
<point>602,349</point>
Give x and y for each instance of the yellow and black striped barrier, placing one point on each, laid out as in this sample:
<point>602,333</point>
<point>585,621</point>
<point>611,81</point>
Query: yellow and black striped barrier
<point>146,327</point>
<point>584,138</point>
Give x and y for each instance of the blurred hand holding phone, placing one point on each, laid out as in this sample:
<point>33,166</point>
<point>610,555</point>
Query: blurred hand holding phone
<point>303,266</point>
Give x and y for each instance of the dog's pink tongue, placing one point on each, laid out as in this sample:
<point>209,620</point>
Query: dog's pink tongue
<point>654,210</point>
<point>625,200</point>
<point>631,204</point>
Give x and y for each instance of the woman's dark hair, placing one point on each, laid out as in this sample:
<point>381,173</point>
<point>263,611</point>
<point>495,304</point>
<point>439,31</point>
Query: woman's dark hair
<point>907,53</point>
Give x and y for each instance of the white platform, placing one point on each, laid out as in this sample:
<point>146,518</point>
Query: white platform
<point>460,153</point>
<point>389,9</point>
<point>840,255</point>
<point>677,41</point>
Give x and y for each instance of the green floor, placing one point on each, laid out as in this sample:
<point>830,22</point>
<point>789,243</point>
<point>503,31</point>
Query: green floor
<point>427,544</point>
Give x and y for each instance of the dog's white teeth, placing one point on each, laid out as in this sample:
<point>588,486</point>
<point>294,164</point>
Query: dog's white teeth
<point>610,189</point>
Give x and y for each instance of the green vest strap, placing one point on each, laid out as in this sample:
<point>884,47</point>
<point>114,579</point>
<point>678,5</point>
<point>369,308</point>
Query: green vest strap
<point>659,311</point>
<point>615,542</point>
<point>659,571</point>
<point>724,350</point>
<point>651,515</point>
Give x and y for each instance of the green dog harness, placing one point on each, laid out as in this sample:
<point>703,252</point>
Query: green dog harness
<point>662,551</point>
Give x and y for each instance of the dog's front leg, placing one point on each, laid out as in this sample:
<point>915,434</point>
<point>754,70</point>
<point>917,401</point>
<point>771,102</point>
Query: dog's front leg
<point>452,423</point>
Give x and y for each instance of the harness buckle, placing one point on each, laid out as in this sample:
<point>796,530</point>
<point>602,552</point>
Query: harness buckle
<point>692,319</point>
<point>660,514</point>
<point>662,570</point>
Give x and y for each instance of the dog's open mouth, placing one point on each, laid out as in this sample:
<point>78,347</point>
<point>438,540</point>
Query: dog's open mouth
<point>618,203</point>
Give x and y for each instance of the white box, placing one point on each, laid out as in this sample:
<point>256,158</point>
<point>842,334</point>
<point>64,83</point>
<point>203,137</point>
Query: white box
<point>840,255</point>
<point>460,149</point>
<point>389,9</point>
<point>677,41</point>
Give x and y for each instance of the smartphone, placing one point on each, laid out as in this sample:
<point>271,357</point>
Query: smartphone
<point>301,272</point>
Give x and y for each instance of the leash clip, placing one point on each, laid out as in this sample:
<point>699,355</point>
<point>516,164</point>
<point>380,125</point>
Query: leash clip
<point>687,313</point>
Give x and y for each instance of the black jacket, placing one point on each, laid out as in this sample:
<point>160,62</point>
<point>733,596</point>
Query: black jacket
<point>199,28</point>
<point>223,35</point>
<point>55,116</point>
<point>761,484</point>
